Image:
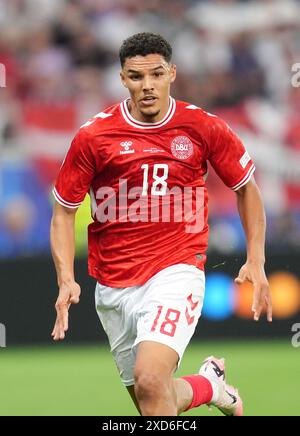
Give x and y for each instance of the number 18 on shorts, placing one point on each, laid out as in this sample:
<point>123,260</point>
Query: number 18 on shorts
<point>165,309</point>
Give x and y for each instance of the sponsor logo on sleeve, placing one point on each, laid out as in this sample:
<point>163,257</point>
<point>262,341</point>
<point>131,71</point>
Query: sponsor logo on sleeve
<point>245,159</point>
<point>2,76</point>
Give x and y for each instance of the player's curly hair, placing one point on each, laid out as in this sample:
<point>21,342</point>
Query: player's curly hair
<point>142,44</point>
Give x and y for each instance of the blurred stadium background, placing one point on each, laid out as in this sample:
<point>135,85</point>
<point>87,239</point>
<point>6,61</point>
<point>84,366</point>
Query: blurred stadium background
<point>234,59</point>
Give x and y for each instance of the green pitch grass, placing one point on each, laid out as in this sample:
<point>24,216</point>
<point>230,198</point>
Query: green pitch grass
<point>65,380</point>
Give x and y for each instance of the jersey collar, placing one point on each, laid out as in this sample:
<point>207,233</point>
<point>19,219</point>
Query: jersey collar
<point>141,125</point>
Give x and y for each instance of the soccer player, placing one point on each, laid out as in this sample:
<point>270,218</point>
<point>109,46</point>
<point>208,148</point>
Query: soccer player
<point>144,164</point>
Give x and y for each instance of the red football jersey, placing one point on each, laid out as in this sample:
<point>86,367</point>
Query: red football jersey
<point>147,188</point>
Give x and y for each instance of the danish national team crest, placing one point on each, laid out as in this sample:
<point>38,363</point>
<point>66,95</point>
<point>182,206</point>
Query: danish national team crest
<point>182,147</point>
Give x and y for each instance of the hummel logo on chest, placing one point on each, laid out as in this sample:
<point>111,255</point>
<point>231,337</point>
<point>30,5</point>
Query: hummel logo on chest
<point>127,147</point>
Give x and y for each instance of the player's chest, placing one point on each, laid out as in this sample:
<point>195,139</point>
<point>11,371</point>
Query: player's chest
<point>176,147</point>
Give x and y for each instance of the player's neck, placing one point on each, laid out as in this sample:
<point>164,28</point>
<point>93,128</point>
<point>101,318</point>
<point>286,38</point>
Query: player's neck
<point>144,118</point>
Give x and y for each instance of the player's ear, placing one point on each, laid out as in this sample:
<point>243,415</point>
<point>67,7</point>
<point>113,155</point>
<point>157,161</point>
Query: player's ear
<point>173,73</point>
<point>122,76</point>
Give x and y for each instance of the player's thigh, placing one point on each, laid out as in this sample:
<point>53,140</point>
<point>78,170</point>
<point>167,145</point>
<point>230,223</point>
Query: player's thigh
<point>154,358</point>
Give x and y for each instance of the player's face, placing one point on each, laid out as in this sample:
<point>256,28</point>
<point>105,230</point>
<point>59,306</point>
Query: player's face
<point>148,79</point>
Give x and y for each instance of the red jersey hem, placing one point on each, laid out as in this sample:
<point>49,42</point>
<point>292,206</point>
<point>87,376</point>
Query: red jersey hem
<point>127,284</point>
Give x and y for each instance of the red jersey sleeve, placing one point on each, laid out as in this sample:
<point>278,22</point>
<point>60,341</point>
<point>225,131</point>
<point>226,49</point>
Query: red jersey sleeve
<point>228,156</point>
<point>76,173</point>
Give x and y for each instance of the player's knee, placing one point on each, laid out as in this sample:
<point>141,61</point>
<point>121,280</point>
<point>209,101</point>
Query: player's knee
<point>148,386</point>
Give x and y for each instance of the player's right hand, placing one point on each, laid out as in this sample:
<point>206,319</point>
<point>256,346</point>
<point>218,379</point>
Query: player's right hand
<point>68,294</point>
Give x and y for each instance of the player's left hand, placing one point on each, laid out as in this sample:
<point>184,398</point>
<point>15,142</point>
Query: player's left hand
<point>254,272</point>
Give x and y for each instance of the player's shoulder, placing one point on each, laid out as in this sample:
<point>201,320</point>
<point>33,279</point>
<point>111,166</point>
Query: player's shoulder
<point>196,114</point>
<point>101,123</point>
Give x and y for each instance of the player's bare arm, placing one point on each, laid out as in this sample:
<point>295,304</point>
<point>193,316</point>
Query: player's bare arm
<point>253,218</point>
<point>63,252</point>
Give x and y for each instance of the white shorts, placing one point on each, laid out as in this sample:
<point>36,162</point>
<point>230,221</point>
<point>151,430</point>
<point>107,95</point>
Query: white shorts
<point>166,309</point>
